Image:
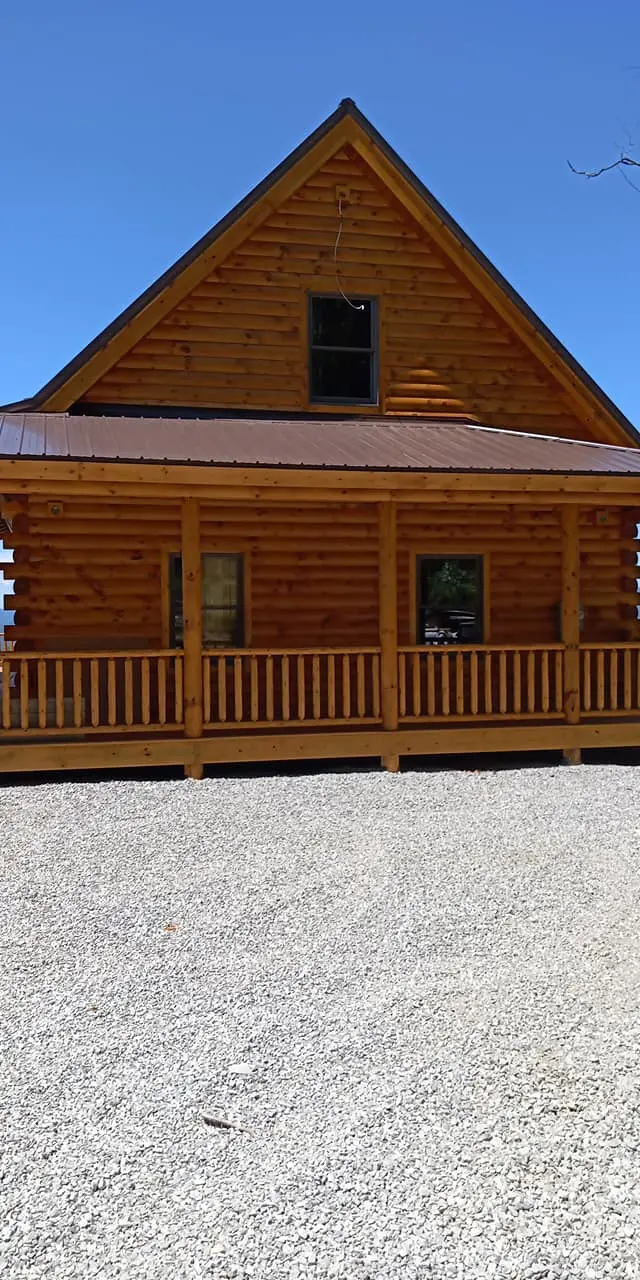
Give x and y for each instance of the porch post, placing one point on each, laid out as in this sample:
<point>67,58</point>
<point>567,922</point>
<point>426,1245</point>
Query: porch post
<point>192,625</point>
<point>570,620</point>
<point>388,621</point>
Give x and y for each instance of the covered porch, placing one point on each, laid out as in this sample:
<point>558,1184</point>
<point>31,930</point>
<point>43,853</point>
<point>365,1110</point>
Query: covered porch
<point>199,591</point>
<point>68,706</point>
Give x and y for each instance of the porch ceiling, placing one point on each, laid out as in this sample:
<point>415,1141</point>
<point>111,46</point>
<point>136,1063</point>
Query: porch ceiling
<point>331,444</point>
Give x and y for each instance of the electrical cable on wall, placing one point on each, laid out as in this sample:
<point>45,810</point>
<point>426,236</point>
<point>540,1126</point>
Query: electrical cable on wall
<point>356,306</point>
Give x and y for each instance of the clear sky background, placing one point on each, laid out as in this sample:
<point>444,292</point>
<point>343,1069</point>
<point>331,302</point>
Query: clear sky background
<point>129,128</point>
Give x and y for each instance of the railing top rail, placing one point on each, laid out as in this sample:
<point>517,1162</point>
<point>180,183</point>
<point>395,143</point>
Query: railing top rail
<point>337,651</point>
<point>611,645</point>
<point>85,654</point>
<point>481,648</point>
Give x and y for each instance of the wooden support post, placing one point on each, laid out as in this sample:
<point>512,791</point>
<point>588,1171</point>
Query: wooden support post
<point>570,620</point>
<point>388,622</point>
<point>192,625</point>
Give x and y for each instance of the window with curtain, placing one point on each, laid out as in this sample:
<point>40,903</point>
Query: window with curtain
<point>222,601</point>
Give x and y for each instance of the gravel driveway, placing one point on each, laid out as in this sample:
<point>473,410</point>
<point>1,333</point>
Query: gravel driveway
<point>415,998</point>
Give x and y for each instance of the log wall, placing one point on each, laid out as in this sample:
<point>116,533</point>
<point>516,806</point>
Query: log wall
<point>239,340</point>
<point>92,575</point>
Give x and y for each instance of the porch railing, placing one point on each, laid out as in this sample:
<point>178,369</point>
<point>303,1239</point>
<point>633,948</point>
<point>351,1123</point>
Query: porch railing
<point>69,694</point>
<point>610,679</point>
<point>278,687</point>
<point>492,682</point>
<point>78,694</point>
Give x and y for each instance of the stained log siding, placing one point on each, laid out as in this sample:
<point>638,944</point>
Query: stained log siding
<point>239,340</point>
<point>92,577</point>
<point>523,568</point>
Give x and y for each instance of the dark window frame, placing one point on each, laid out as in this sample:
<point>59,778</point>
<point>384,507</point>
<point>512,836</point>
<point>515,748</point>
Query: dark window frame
<point>372,351</point>
<point>238,642</point>
<point>480,560</point>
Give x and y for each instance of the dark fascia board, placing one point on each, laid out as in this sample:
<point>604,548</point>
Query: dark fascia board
<point>346,108</point>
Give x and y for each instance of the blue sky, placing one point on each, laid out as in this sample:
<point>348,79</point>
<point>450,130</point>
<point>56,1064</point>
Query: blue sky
<point>129,128</point>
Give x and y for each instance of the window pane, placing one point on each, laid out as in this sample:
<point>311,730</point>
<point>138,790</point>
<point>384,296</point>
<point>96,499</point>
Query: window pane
<point>449,599</point>
<point>220,627</point>
<point>336,324</point>
<point>222,600</point>
<point>220,585</point>
<point>341,375</point>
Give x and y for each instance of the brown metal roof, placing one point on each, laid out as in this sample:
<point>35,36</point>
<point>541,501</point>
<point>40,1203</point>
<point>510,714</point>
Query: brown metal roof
<point>338,444</point>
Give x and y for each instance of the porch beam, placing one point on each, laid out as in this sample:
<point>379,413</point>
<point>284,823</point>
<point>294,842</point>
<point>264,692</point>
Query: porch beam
<point>15,473</point>
<point>570,617</point>
<point>388,621</point>
<point>192,624</point>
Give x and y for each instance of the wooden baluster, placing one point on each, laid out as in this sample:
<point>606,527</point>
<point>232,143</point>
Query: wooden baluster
<point>145,690</point>
<point>24,694</point>
<point>111,692</point>
<point>94,695</point>
<point>128,691</point>
<point>179,690</point>
<point>331,687</point>
<point>402,684</point>
<point>346,686</point>
<point>206,689</point>
<point>444,669</point>
<point>162,691</point>
<point>269,688</point>
<point>416,684</point>
<point>585,673</point>
<point>253,681</point>
<point>238,701</point>
<point>473,680</point>
<point>6,692</point>
<point>488,684</point>
<point>431,683</point>
<point>459,684</point>
<point>613,679</point>
<point>600,683</point>
<point>544,681</point>
<point>375,683</point>
<point>517,683</point>
<point>362,703</point>
<point>559,680</point>
<point>59,679</point>
<point>222,690</point>
<point>78,717</point>
<point>531,682</point>
<point>502,678</point>
<point>315,685</point>
<point>286,700</point>
<point>302,692</point>
<point>42,693</point>
<point>628,702</point>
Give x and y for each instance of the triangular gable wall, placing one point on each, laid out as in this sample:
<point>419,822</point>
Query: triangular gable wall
<point>227,328</point>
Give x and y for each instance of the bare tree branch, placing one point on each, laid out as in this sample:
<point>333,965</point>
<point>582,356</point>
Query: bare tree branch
<point>615,164</point>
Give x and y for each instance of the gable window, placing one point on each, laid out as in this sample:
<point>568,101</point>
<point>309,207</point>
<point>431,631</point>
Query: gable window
<point>450,599</point>
<point>343,354</point>
<point>222,601</point>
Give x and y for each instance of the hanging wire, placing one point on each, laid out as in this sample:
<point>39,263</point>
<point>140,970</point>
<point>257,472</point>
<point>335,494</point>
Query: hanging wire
<point>356,306</point>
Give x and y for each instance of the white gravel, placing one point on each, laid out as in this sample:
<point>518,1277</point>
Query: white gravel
<point>415,998</point>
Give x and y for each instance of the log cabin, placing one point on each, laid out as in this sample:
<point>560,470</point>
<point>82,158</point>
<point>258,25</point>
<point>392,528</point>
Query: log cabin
<point>327,489</point>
